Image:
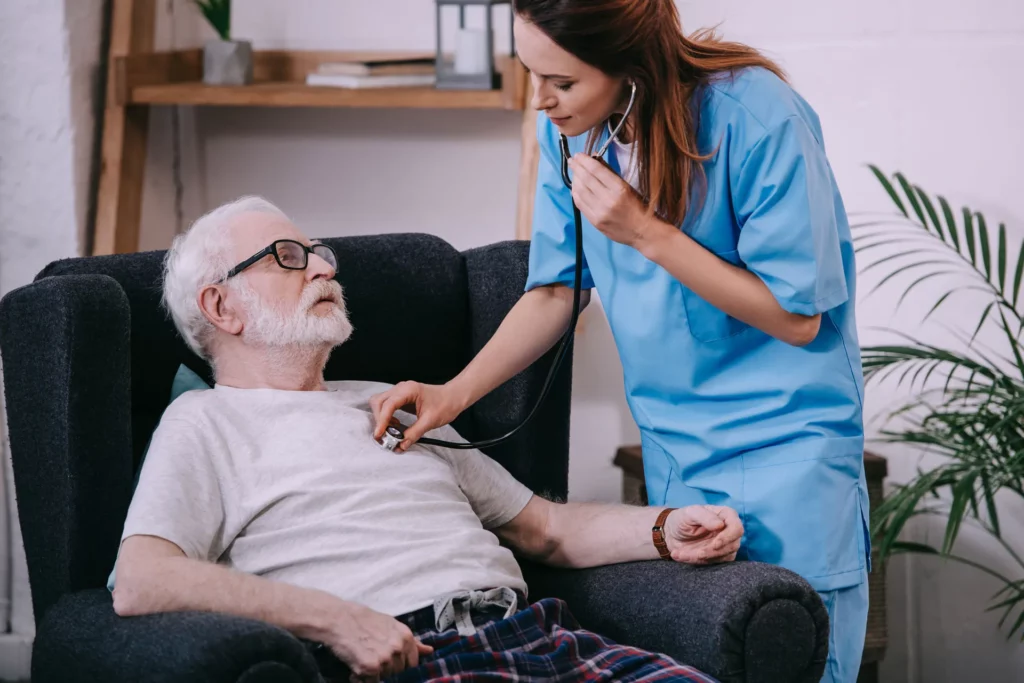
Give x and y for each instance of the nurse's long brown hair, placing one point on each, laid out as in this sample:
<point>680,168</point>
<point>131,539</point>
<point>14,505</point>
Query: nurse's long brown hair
<point>643,40</point>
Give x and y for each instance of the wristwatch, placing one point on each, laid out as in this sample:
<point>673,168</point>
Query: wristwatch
<point>658,533</point>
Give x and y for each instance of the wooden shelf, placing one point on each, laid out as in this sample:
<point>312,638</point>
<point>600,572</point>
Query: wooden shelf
<point>138,78</point>
<point>299,95</point>
<point>279,81</point>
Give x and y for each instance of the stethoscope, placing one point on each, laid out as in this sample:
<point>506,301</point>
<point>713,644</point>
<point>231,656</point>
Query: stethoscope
<point>395,433</point>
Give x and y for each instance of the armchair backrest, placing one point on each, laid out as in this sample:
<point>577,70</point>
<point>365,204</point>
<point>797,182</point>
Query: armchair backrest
<point>89,355</point>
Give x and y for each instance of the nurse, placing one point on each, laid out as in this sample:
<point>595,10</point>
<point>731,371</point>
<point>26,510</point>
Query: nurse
<point>718,243</point>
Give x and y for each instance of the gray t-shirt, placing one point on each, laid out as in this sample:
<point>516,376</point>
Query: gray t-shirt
<point>291,486</point>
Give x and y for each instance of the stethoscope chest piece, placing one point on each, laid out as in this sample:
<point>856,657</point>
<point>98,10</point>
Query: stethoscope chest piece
<point>392,437</point>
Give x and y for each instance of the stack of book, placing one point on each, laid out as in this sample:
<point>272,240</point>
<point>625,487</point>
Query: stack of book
<point>406,72</point>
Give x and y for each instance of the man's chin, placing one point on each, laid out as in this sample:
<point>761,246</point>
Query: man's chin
<point>340,338</point>
<point>322,333</point>
<point>336,328</point>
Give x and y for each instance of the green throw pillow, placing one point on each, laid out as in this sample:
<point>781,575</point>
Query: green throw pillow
<point>184,380</point>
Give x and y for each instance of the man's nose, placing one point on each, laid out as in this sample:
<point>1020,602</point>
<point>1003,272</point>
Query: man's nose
<point>319,268</point>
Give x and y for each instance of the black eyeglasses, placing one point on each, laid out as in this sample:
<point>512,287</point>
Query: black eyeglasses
<point>290,255</point>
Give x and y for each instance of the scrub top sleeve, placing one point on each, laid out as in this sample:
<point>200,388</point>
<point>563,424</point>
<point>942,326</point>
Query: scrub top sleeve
<point>553,239</point>
<point>786,208</point>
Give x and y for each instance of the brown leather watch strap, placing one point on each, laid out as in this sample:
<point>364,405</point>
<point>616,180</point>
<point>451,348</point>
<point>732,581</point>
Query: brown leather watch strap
<point>658,533</point>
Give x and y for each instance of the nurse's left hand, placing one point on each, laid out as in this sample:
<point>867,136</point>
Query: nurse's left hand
<point>703,534</point>
<point>607,201</point>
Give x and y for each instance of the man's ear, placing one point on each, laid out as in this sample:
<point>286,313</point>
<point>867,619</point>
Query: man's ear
<point>218,310</point>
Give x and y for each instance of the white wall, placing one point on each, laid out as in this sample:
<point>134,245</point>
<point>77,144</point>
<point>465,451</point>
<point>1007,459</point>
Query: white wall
<point>930,87</point>
<point>48,79</point>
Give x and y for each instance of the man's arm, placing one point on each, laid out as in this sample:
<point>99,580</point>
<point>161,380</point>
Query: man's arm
<point>582,535</point>
<point>154,575</point>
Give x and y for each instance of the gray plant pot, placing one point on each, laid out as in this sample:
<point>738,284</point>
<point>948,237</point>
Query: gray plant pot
<point>227,62</point>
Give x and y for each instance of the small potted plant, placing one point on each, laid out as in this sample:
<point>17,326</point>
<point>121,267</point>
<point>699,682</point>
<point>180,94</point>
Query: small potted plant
<point>225,61</point>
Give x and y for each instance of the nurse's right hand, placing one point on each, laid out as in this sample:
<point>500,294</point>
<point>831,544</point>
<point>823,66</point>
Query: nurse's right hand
<point>434,406</point>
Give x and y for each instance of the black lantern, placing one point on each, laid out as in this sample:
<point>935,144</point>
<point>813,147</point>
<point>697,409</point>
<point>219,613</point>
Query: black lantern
<point>471,67</point>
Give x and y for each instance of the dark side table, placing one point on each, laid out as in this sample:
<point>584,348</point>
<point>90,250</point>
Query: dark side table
<point>630,461</point>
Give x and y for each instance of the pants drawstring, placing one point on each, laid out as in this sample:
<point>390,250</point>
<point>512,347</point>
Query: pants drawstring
<point>457,609</point>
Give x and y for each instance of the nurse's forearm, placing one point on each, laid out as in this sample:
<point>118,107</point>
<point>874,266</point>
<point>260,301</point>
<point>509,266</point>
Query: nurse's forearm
<point>531,328</point>
<point>734,290</point>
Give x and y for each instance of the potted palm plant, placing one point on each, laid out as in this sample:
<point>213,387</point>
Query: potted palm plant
<point>968,393</point>
<point>225,61</point>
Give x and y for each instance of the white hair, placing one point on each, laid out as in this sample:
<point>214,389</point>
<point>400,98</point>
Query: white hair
<point>202,256</point>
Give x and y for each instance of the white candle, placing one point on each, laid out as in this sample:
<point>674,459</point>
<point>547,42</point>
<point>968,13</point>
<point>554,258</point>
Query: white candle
<point>471,51</point>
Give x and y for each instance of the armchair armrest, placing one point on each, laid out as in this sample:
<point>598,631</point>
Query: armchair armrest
<point>83,639</point>
<point>742,621</point>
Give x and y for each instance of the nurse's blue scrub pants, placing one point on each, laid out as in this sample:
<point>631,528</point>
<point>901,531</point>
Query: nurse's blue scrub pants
<point>848,623</point>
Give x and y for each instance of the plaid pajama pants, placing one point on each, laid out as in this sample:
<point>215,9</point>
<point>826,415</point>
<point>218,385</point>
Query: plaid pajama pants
<point>541,643</point>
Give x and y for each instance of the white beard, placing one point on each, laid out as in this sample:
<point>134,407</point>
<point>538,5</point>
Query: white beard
<point>300,329</point>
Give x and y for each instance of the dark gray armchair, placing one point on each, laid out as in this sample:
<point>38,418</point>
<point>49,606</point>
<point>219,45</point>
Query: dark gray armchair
<point>88,359</point>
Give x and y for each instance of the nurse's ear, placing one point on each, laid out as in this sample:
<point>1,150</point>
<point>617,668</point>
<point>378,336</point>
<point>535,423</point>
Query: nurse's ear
<point>221,308</point>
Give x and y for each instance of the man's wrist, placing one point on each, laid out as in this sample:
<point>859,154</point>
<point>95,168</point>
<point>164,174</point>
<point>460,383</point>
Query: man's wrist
<point>660,536</point>
<point>672,523</point>
<point>322,615</point>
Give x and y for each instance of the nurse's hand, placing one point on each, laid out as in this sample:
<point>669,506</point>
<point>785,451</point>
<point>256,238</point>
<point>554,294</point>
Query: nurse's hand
<point>434,406</point>
<point>703,534</point>
<point>608,202</point>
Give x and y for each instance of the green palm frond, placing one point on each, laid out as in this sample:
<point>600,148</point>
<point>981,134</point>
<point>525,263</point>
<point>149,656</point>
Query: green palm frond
<point>968,408</point>
<point>967,244</point>
<point>218,14</point>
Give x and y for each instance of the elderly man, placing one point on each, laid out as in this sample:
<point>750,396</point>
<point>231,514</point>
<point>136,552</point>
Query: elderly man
<point>268,497</point>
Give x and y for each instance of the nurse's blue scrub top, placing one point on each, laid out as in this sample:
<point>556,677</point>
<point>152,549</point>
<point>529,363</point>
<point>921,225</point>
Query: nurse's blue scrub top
<point>729,415</point>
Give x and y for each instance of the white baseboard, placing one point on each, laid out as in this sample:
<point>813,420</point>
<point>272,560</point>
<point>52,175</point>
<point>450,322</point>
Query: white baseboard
<point>15,657</point>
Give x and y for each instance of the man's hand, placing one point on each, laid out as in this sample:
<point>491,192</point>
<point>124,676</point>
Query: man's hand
<point>703,534</point>
<point>373,645</point>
